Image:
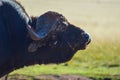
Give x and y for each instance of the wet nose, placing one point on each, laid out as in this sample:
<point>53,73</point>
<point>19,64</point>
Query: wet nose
<point>87,37</point>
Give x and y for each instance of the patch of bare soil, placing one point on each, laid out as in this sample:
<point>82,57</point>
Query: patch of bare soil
<point>54,77</point>
<point>47,77</point>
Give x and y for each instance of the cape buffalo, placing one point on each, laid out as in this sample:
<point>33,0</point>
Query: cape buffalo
<point>26,40</point>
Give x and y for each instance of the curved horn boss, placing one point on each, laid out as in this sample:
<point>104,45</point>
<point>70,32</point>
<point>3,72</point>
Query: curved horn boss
<point>46,24</point>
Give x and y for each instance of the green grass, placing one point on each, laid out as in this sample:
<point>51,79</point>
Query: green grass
<point>99,60</point>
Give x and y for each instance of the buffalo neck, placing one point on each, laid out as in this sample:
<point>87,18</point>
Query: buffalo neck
<point>20,55</point>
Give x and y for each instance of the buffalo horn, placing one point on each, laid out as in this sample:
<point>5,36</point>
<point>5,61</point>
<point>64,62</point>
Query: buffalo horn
<point>32,33</point>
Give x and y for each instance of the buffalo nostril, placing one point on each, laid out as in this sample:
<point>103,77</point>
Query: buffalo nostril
<point>87,37</point>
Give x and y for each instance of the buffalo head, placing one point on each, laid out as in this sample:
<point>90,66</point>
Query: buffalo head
<point>55,40</point>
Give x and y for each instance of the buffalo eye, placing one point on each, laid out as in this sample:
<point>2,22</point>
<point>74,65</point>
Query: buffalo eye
<point>64,23</point>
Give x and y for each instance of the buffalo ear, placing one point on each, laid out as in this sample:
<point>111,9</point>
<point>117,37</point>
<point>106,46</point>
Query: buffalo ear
<point>33,47</point>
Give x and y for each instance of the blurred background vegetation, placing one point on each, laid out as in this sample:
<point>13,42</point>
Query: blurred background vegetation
<point>101,18</point>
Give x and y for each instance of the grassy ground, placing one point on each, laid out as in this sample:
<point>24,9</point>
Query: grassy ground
<point>97,61</point>
<point>101,18</point>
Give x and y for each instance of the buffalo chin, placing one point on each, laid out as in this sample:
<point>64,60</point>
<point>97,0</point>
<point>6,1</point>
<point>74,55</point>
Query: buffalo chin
<point>57,52</point>
<point>48,55</point>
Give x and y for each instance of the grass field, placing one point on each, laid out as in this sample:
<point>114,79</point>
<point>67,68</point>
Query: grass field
<point>101,18</point>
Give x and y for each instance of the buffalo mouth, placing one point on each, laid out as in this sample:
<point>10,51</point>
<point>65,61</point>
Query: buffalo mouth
<point>86,40</point>
<point>79,43</point>
<point>85,45</point>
